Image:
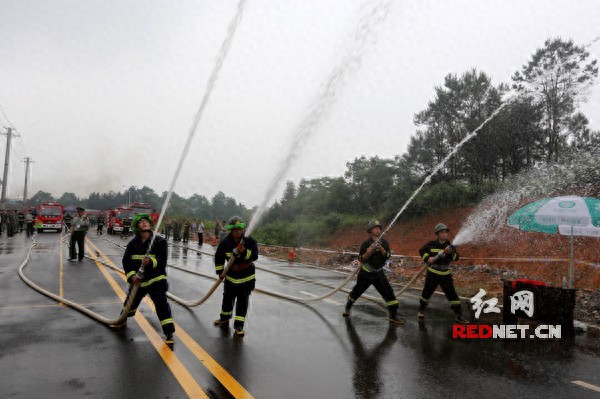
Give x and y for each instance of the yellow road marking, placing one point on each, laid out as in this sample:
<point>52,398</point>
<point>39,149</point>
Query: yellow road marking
<point>226,379</point>
<point>234,387</point>
<point>58,304</point>
<point>183,376</point>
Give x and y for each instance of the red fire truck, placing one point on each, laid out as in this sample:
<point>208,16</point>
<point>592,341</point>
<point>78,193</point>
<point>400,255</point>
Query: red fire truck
<point>144,207</point>
<point>49,217</point>
<point>116,217</point>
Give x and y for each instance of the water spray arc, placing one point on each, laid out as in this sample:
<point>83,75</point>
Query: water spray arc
<point>233,25</point>
<point>467,138</point>
<point>363,35</point>
<point>209,88</point>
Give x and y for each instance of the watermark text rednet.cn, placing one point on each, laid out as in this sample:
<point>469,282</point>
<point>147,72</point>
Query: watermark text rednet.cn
<point>505,331</point>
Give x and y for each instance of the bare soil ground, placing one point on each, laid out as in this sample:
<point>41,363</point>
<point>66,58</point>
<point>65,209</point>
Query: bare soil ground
<point>481,265</point>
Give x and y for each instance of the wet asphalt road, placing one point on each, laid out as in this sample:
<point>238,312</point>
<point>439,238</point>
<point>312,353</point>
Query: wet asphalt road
<point>291,350</point>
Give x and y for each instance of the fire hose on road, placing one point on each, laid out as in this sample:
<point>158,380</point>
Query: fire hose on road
<point>272,293</point>
<point>110,322</point>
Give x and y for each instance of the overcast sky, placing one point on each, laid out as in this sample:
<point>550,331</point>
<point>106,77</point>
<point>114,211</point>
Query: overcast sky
<point>104,92</point>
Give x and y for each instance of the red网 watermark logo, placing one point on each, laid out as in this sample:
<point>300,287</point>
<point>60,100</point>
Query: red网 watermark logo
<point>523,301</point>
<point>505,331</point>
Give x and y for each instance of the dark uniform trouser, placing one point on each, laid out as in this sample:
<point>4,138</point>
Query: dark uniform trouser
<point>29,229</point>
<point>432,280</point>
<point>99,229</point>
<point>200,238</point>
<point>381,284</point>
<point>158,294</point>
<point>76,237</point>
<point>240,294</point>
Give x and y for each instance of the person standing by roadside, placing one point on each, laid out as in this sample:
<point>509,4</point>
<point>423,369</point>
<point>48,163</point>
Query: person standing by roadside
<point>438,254</point>
<point>241,278</point>
<point>217,231</point>
<point>79,226</point>
<point>148,269</point>
<point>3,220</point>
<point>11,227</point>
<point>200,231</point>
<point>167,229</point>
<point>126,227</point>
<point>186,231</point>
<point>29,223</point>
<point>224,231</point>
<point>100,224</point>
<point>20,220</point>
<point>373,254</point>
<point>67,220</point>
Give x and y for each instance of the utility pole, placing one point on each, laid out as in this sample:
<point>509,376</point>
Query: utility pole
<point>9,134</point>
<point>27,161</point>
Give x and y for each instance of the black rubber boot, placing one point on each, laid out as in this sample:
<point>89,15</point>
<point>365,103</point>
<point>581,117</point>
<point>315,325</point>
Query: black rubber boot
<point>347,309</point>
<point>394,317</point>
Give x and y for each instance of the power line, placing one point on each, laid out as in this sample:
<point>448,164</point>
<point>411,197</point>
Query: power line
<point>5,117</point>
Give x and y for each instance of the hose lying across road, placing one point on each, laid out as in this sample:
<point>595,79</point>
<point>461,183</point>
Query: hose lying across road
<point>110,322</point>
<point>226,269</point>
<point>123,315</point>
<point>272,293</point>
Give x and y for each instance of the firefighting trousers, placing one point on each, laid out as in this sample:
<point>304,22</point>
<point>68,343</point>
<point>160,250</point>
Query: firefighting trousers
<point>238,294</point>
<point>76,238</point>
<point>432,280</point>
<point>158,294</point>
<point>381,284</point>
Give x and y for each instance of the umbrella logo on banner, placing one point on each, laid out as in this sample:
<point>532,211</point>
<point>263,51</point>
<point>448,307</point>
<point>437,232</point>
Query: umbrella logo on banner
<point>567,204</point>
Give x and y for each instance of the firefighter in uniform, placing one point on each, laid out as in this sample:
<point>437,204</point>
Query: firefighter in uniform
<point>29,223</point>
<point>126,227</point>
<point>21,220</point>
<point>372,255</point>
<point>152,278</point>
<point>186,232</point>
<point>100,225</point>
<point>241,277</point>
<point>176,231</point>
<point>438,254</point>
<point>79,226</point>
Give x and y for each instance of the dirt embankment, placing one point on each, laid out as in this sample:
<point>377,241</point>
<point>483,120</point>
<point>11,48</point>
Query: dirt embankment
<point>482,265</point>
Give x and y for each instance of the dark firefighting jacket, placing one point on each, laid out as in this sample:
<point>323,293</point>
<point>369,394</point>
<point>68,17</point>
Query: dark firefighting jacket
<point>377,260</point>
<point>134,253</point>
<point>442,265</point>
<point>242,270</point>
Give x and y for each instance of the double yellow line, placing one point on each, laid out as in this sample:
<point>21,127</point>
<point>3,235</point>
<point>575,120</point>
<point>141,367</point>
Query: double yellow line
<point>180,372</point>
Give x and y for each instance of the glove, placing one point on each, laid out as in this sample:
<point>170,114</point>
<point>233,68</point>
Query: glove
<point>239,250</point>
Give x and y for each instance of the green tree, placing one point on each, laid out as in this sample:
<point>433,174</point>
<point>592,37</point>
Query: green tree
<point>559,76</point>
<point>69,199</point>
<point>459,107</point>
<point>370,181</point>
<point>39,197</point>
<point>582,137</point>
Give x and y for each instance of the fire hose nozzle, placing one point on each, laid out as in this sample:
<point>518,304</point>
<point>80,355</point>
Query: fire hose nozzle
<point>140,273</point>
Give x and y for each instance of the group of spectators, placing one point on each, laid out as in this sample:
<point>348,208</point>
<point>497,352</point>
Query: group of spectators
<point>16,221</point>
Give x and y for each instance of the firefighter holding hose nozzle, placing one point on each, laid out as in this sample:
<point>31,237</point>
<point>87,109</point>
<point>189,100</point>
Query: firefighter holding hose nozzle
<point>373,255</point>
<point>241,277</point>
<point>438,254</point>
<point>148,269</point>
